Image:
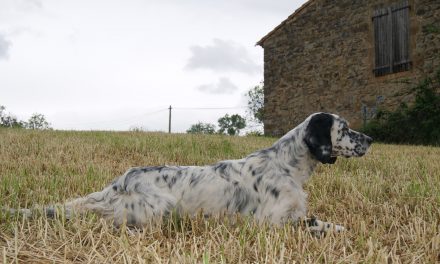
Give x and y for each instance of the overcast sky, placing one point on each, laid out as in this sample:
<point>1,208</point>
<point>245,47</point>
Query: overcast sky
<point>115,64</point>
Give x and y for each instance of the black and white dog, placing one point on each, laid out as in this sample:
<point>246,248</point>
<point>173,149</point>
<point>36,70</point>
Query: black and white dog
<point>267,184</point>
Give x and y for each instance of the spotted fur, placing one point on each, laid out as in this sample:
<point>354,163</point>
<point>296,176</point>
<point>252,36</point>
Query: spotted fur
<point>267,184</point>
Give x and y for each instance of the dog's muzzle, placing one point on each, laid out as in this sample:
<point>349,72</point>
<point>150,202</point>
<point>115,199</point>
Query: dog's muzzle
<point>362,148</point>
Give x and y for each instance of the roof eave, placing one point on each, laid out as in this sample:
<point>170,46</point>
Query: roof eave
<point>268,35</point>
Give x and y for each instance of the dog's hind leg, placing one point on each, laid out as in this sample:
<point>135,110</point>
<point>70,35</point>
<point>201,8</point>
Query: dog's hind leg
<point>135,206</point>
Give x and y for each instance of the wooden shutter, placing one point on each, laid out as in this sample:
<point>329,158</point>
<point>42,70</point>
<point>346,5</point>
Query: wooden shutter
<point>391,39</point>
<point>400,18</point>
<point>382,42</point>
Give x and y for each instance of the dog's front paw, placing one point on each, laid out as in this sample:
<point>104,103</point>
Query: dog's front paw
<point>318,226</point>
<point>338,228</point>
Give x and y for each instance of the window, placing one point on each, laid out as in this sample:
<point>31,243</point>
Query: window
<point>391,39</point>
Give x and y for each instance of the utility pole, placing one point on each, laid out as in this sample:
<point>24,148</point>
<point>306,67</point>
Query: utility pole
<point>169,121</point>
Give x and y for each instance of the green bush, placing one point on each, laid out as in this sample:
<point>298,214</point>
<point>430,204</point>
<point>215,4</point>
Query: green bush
<point>418,123</point>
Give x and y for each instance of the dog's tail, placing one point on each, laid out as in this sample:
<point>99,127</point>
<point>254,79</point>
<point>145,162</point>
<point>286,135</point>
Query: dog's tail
<point>91,203</point>
<point>26,213</point>
<point>52,211</point>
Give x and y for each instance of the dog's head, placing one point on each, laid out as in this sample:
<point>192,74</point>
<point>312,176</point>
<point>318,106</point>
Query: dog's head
<point>328,136</point>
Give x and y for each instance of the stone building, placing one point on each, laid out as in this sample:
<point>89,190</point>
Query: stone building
<point>348,57</point>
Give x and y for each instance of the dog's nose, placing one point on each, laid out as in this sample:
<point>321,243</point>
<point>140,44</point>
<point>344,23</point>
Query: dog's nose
<point>368,139</point>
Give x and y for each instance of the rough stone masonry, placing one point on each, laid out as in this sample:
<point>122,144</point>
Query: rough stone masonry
<point>321,58</point>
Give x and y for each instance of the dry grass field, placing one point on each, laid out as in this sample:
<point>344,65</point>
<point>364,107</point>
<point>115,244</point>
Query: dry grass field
<point>389,201</point>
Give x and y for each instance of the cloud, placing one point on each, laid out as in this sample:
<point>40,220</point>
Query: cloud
<point>224,56</point>
<point>30,5</point>
<point>4,47</point>
<point>278,7</point>
<point>223,86</point>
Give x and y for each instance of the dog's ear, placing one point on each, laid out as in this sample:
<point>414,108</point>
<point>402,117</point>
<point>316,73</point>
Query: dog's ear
<point>318,138</point>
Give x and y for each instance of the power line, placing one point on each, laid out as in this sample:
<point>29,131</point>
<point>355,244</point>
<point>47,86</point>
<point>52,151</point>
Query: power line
<point>119,120</point>
<point>131,119</point>
<point>208,108</point>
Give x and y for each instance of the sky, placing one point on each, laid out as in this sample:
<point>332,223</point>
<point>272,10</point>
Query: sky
<point>119,64</point>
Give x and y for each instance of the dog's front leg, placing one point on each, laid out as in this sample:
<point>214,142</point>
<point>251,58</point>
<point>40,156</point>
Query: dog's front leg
<point>320,227</point>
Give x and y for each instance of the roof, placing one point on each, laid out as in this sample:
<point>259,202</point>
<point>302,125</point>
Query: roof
<point>297,11</point>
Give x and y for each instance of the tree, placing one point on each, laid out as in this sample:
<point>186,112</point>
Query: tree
<point>138,129</point>
<point>201,128</point>
<point>37,121</point>
<point>256,103</point>
<point>8,120</point>
<point>231,124</point>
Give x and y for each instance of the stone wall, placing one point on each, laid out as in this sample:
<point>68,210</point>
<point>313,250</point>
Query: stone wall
<point>322,59</point>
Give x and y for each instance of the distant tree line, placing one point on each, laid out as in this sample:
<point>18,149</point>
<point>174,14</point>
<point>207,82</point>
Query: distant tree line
<point>233,124</point>
<point>230,125</point>
<point>36,121</point>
